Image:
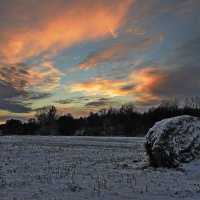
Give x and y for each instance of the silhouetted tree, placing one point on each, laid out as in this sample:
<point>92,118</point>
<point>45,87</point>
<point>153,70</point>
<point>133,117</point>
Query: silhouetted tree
<point>32,127</point>
<point>13,127</point>
<point>125,120</point>
<point>66,125</point>
<point>46,118</point>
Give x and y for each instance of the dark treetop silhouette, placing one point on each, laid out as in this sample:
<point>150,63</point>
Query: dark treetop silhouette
<point>124,121</point>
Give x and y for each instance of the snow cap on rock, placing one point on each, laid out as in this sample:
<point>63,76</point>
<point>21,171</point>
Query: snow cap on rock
<point>174,140</point>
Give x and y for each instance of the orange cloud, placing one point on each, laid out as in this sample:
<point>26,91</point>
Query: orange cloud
<point>146,81</point>
<point>44,77</point>
<point>44,28</point>
<point>140,84</point>
<point>100,87</point>
<point>111,53</point>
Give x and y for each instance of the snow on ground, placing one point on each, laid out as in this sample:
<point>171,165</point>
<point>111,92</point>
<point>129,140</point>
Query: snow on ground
<point>76,168</point>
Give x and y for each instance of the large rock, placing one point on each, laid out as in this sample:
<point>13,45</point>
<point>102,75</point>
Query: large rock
<point>173,141</point>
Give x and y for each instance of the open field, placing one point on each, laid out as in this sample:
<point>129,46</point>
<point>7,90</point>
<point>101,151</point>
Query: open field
<point>76,168</point>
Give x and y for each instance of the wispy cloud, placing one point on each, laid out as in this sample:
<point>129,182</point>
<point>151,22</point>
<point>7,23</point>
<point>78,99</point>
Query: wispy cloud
<point>152,52</point>
<point>20,84</point>
<point>101,102</point>
<point>139,84</point>
<point>146,86</point>
<point>44,77</point>
<point>113,53</point>
<point>73,100</point>
<point>100,86</point>
<point>34,27</point>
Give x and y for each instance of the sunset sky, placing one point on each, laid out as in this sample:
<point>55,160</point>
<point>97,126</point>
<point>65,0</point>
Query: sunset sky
<point>84,55</point>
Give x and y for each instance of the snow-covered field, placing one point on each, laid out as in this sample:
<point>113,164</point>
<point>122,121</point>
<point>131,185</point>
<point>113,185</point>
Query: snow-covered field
<point>76,168</point>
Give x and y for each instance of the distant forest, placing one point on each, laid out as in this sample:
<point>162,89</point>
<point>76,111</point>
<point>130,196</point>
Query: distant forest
<point>123,121</point>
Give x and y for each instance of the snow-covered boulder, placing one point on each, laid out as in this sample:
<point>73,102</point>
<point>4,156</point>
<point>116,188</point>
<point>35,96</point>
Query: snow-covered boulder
<point>173,141</point>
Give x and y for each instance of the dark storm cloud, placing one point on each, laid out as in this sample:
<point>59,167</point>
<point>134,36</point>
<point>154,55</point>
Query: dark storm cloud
<point>99,102</point>
<point>14,84</point>
<point>16,101</point>
<point>181,76</point>
<point>90,101</point>
<point>184,81</point>
<point>128,87</point>
<point>37,95</point>
<point>73,100</point>
<point>15,81</point>
<point>10,99</point>
<point>64,101</point>
<point>96,103</point>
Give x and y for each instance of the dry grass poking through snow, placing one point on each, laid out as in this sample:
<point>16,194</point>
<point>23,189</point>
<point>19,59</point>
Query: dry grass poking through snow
<point>76,168</point>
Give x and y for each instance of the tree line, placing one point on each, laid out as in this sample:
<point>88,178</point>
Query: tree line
<point>123,121</point>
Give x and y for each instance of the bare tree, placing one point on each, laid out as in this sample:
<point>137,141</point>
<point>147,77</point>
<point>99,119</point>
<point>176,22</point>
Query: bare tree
<point>46,118</point>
